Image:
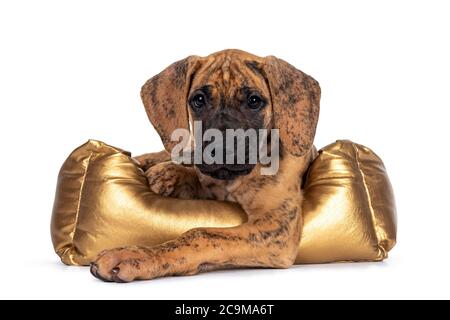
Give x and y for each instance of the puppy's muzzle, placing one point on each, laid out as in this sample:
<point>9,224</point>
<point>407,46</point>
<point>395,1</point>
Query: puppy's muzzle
<point>227,170</point>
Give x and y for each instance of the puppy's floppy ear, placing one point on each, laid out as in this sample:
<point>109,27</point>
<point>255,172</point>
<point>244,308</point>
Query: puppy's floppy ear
<point>295,103</point>
<point>165,98</point>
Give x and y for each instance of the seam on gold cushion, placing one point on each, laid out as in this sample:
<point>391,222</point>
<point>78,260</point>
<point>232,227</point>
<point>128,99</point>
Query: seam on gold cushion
<point>382,254</point>
<point>80,195</point>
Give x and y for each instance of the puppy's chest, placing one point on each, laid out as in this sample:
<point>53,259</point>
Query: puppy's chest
<point>219,192</point>
<point>240,191</point>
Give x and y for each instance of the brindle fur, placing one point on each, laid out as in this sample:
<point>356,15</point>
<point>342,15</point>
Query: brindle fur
<point>271,235</point>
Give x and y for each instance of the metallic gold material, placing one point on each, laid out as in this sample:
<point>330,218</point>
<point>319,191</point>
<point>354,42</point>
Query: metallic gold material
<point>103,201</point>
<point>349,207</point>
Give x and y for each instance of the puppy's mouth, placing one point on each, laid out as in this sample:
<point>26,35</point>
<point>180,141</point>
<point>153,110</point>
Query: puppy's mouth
<point>225,172</point>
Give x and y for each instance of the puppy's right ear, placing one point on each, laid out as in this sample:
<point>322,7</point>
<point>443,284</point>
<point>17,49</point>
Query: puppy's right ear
<point>165,98</point>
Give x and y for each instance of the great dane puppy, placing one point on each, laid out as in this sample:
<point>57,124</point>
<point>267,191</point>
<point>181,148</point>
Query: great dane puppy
<point>230,89</point>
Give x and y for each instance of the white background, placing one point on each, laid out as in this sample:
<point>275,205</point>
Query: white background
<point>72,70</point>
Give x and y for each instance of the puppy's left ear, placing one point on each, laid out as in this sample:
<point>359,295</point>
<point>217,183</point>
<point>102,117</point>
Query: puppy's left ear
<point>165,98</point>
<point>295,103</point>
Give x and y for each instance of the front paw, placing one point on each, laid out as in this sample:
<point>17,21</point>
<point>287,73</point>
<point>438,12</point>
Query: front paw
<point>123,265</point>
<point>173,180</point>
<point>148,160</point>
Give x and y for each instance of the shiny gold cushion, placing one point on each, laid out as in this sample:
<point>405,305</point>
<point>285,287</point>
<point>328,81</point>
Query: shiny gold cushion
<point>103,201</point>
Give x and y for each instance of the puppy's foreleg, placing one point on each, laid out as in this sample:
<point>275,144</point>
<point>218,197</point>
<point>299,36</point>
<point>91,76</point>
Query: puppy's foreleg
<point>269,239</point>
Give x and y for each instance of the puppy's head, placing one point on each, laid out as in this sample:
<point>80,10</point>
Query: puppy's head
<point>233,89</point>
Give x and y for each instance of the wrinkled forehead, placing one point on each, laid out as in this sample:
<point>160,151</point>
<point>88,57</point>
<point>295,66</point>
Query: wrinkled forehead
<point>229,75</point>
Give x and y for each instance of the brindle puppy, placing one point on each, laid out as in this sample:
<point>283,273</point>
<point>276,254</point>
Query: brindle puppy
<point>228,89</point>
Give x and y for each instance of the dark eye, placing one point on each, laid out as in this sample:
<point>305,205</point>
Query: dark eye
<point>255,102</point>
<point>198,100</point>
